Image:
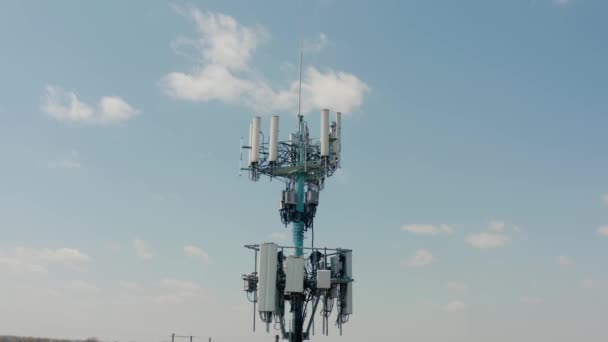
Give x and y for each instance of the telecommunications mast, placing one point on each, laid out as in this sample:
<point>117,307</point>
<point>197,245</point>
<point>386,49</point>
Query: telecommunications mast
<point>304,280</point>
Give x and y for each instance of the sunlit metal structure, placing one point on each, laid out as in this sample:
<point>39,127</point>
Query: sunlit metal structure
<point>302,280</point>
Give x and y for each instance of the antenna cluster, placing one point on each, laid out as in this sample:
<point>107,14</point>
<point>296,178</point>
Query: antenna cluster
<point>323,276</point>
<point>300,155</point>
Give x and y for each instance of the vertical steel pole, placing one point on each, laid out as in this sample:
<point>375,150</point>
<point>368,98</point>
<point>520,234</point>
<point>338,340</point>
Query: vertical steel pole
<point>298,225</point>
<point>297,303</point>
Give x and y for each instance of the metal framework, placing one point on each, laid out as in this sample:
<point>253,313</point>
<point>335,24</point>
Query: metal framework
<point>324,275</point>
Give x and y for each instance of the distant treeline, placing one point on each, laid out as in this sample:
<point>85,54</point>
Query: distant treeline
<point>41,339</point>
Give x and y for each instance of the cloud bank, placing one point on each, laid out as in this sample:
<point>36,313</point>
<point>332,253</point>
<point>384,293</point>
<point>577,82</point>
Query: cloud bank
<point>563,261</point>
<point>487,240</point>
<point>421,258</point>
<point>197,253</point>
<point>455,306</point>
<point>38,260</point>
<point>495,237</point>
<point>65,106</point>
<point>224,49</point>
<point>427,229</point>
<point>141,249</point>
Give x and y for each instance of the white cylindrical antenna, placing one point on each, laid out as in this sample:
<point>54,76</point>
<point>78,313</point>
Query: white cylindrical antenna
<point>255,140</point>
<point>338,143</point>
<point>324,132</point>
<point>274,139</point>
<point>250,142</point>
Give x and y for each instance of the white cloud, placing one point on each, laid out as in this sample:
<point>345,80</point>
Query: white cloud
<point>427,229</point>
<point>36,260</point>
<point>47,292</point>
<point>68,164</point>
<point>83,286</point>
<point>421,258</point>
<point>224,41</point>
<point>315,45</point>
<point>113,246</point>
<point>496,226</point>
<point>179,290</point>
<point>605,199</point>
<point>589,284</point>
<point>337,90</point>
<point>16,265</point>
<point>278,236</point>
<point>499,226</point>
<point>533,300</point>
<point>562,2</point>
<point>181,285</point>
<point>168,299</point>
<point>198,253</point>
<point>487,240</point>
<point>65,106</point>
<point>563,260</point>
<point>226,47</point>
<point>63,255</point>
<point>603,230</point>
<point>455,306</point>
<point>128,285</point>
<point>141,249</point>
<point>457,286</point>
<point>113,109</point>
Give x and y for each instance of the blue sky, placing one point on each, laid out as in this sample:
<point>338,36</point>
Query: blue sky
<point>473,187</point>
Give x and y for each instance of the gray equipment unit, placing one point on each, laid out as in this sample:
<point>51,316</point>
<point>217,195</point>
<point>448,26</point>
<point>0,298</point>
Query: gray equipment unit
<point>294,270</point>
<point>289,197</point>
<point>324,278</point>
<point>312,197</point>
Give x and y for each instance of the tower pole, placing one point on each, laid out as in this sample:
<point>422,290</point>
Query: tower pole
<point>298,235</point>
<point>298,225</point>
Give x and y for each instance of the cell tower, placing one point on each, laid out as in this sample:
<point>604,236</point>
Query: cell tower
<point>304,280</point>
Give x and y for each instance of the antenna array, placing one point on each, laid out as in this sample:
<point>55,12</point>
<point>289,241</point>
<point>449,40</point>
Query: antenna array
<point>323,276</point>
